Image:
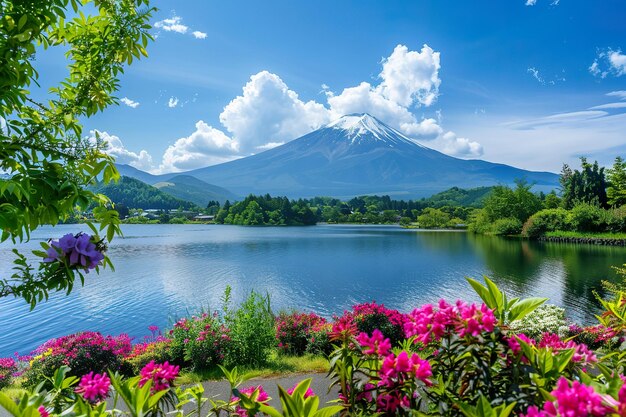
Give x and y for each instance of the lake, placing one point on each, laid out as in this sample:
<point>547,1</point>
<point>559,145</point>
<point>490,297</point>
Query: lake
<point>165,271</point>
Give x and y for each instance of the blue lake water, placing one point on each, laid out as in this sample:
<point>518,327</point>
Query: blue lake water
<point>165,271</point>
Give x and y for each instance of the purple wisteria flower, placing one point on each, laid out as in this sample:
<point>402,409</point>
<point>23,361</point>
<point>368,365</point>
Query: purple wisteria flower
<point>76,251</point>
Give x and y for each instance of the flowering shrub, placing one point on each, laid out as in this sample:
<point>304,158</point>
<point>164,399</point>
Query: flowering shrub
<point>294,331</point>
<point>319,340</point>
<point>200,341</point>
<point>371,316</point>
<point>83,352</point>
<point>8,367</point>
<point>143,353</point>
<point>547,318</point>
<point>162,375</point>
<point>81,251</point>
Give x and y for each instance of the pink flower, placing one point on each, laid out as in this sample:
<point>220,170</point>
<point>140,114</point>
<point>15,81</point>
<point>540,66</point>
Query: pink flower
<point>43,412</point>
<point>395,370</point>
<point>94,388</point>
<point>161,375</point>
<point>375,345</point>
<point>262,398</point>
<point>575,400</point>
<point>515,346</point>
<point>309,392</point>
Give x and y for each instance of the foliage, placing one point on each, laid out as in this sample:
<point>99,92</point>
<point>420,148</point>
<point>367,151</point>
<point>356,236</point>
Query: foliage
<point>48,164</point>
<point>144,353</point>
<point>507,227</point>
<point>138,195</point>
<point>266,210</point>
<point>294,331</point>
<point>81,352</point>
<point>616,179</point>
<point>585,186</point>
<point>547,220</point>
<point>586,217</point>
<point>431,218</point>
<point>251,330</point>
<point>201,341</point>
<point>8,367</point>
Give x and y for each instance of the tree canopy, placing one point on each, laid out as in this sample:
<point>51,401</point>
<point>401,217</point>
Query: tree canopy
<point>46,161</point>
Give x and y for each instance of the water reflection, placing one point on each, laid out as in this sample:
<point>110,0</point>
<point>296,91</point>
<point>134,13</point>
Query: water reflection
<point>164,271</point>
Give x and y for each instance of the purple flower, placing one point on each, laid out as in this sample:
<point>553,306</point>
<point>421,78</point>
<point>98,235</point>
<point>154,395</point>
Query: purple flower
<point>75,251</point>
<point>67,242</point>
<point>52,252</point>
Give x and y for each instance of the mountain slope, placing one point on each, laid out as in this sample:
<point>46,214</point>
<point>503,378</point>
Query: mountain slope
<point>186,187</point>
<point>136,194</point>
<point>359,155</point>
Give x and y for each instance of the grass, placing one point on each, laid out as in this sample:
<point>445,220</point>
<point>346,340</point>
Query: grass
<point>277,364</point>
<point>586,235</point>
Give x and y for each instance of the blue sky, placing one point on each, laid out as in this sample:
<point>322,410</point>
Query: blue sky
<point>515,81</point>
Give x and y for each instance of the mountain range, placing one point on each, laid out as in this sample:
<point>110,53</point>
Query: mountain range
<point>355,155</point>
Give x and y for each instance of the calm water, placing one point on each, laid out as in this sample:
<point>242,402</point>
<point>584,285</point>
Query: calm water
<point>164,271</point>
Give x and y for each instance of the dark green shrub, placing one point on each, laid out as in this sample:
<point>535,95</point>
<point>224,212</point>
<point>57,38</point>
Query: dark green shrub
<point>319,341</point>
<point>143,353</point>
<point>617,220</point>
<point>548,220</point>
<point>507,226</point>
<point>7,368</point>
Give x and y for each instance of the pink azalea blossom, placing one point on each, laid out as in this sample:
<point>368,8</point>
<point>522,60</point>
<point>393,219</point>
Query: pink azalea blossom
<point>94,388</point>
<point>377,344</point>
<point>161,375</point>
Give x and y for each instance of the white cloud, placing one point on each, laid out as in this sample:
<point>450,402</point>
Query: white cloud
<point>618,62</point>
<point>535,73</point>
<point>172,102</point>
<point>205,146</point>
<point>411,77</point>
<point>115,148</point>
<point>268,111</point>
<point>426,129</point>
<point>619,105</point>
<point>568,118</point>
<point>173,24</point>
<point>619,94</point>
<point>199,35</point>
<point>129,102</point>
<point>451,144</point>
<point>531,2</point>
<point>609,62</point>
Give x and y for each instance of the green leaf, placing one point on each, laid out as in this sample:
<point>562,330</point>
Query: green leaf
<point>8,404</point>
<point>328,411</point>
<point>522,308</point>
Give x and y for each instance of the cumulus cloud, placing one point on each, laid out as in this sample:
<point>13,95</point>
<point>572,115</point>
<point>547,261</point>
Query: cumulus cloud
<point>173,24</point>
<point>172,102</point>
<point>451,144</point>
<point>426,129</point>
<point>115,148</point>
<point>205,146</point>
<point>129,102</point>
<point>268,111</point>
<point>410,77</point>
<point>609,62</point>
<point>199,35</point>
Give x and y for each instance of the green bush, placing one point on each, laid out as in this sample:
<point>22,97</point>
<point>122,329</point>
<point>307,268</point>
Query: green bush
<point>200,341</point>
<point>507,226</point>
<point>617,220</point>
<point>548,220</point>
<point>589,218</point>
<point>8,367</point>
<point>143,353</point>
<point>319,341</point>
<point>251,329</point>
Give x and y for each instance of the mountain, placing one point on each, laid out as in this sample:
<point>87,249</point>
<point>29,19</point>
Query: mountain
<point>128,171</point>
<point>134,193</point>
<point>358,155</point>
<point>186,187</point>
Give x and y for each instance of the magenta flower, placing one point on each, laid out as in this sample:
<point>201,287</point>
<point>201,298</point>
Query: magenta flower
<point>309,392</point>
<point>94,388</point>
<point>397,369</point>
<point>262,398</point>
<point>43,412</point>
<point>162,375</point>
<point>375,345</point>
<point>575,400</point>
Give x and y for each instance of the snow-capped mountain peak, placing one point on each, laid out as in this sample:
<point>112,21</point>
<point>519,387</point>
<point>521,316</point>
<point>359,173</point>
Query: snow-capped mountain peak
<point>362,126</point>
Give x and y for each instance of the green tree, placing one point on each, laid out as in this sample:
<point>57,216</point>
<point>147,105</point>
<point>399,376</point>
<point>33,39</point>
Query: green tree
<point>616,178</point>
<point>585,186</point>
<point>552,201</point>
<point>49,166</point>
<point>432,217</point>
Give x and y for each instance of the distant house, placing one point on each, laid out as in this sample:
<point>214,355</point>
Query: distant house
<point>204,218</point>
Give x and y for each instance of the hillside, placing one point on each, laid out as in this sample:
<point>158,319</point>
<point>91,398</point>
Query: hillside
<point>136,194</point>
<point>188,188</point>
